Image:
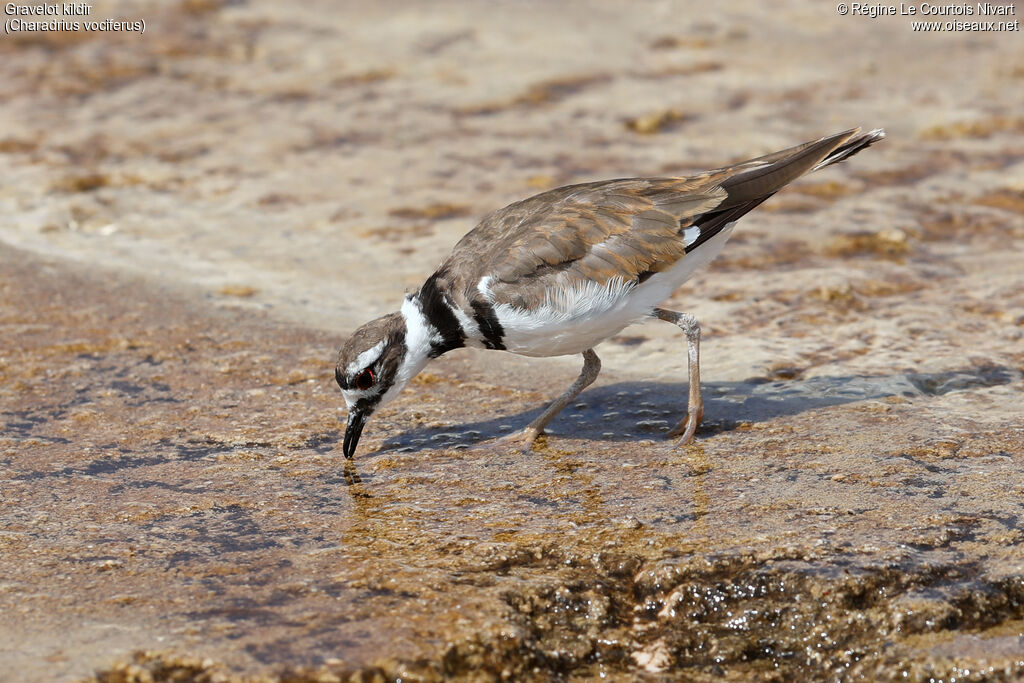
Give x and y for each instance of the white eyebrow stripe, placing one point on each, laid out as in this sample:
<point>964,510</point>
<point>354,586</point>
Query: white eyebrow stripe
<point>365,358</point>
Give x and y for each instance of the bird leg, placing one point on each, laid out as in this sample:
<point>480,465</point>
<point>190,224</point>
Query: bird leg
<point>695,406</point>
<point>529,434</point>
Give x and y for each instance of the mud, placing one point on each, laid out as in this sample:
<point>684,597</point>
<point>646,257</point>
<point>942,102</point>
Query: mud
<point>174,486</point>
<point>194,219</point>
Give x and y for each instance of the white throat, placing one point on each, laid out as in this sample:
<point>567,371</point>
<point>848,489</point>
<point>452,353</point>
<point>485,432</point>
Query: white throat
<point>419,335</point>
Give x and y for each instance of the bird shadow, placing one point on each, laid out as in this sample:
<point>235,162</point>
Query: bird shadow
<point>632,411</point>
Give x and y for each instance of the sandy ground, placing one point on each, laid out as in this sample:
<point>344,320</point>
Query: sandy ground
<point>194,218</point>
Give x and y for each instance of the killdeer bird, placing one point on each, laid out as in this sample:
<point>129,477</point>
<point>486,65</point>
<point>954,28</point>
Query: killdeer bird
<point>558,273</point>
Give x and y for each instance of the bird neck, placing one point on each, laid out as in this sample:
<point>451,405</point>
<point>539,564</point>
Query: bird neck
<point>431,317</point>
<point>431,329</point>
<point>419,337</point>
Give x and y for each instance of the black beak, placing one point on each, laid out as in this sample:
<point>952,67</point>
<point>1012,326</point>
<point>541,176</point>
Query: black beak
<point>356,421</point>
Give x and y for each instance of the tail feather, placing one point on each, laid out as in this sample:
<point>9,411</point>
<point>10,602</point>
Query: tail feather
<point>754,181</point>
<point>853,145</point>
<point>762,177</point>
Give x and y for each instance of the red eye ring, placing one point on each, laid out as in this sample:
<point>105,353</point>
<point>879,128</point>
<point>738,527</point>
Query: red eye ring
<point>365,380</point>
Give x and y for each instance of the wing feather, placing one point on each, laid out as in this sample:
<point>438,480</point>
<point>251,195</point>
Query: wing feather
<point>625,228</point>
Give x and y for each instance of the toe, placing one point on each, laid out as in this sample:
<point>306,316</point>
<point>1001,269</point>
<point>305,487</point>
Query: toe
<point>685,430</point>
<point>680,427</point>
<point>523,440</point>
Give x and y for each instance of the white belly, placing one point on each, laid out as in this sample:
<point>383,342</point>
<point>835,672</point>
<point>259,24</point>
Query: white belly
<point>579,316</point>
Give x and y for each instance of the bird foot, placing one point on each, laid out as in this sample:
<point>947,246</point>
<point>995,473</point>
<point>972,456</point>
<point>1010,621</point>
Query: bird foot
<point>686,428</point>
<point>523,440</point>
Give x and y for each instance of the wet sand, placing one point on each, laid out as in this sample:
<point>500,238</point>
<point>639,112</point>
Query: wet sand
<point>194,219</point>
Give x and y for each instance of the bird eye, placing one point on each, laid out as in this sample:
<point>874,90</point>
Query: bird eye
<point>365,380</point>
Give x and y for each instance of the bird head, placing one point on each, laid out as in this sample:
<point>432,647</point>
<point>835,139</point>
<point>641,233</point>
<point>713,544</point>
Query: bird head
<point>373,367</point>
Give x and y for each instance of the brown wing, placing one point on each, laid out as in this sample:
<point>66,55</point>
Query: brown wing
<point>625,228</point>
<point>618,228</point>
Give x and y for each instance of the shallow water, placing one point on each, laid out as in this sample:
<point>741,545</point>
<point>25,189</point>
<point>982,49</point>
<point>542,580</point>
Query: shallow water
<point>194,221</point>
<point>173,483</point>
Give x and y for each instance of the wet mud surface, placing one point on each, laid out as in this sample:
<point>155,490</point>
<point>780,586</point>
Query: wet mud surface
<point>173,484</point>
<point>192,222</point>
